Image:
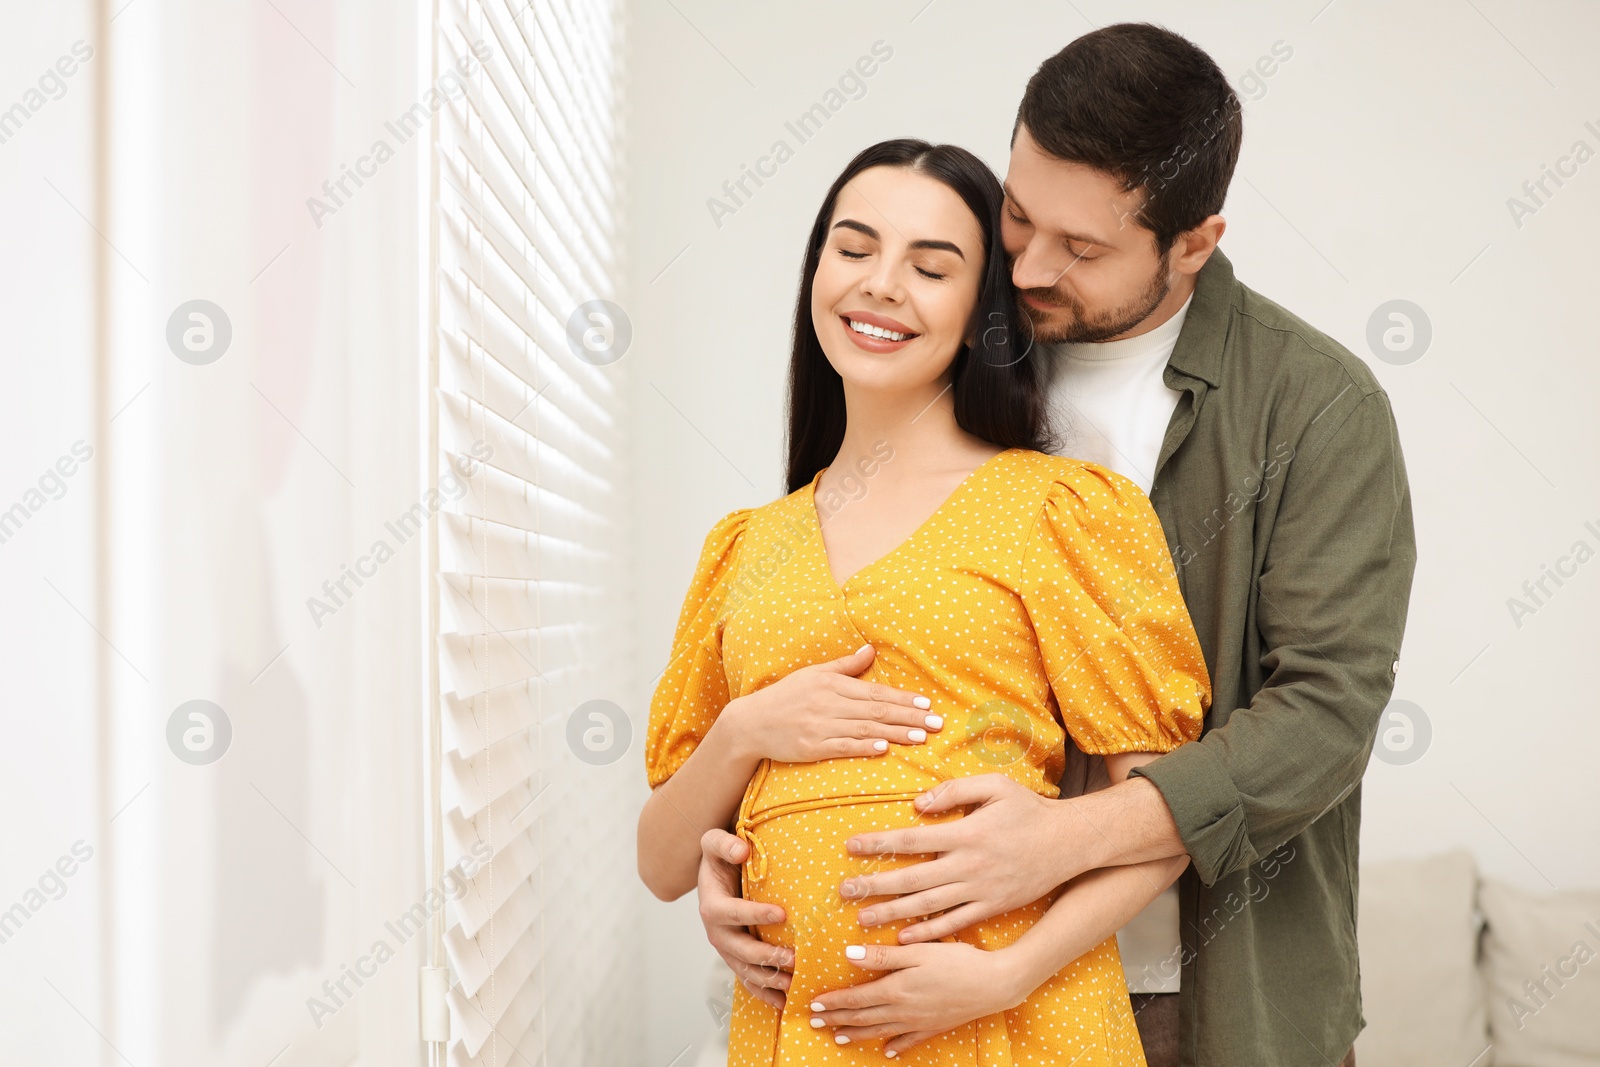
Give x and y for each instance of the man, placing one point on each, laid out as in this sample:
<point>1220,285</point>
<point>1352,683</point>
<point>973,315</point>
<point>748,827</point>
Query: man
<point>1271,456</point>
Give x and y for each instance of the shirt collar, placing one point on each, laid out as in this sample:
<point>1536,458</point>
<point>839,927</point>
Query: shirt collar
<point>1198,352</point>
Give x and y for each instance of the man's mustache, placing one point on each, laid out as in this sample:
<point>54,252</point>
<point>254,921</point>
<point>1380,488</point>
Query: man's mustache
<point>1043,296</point>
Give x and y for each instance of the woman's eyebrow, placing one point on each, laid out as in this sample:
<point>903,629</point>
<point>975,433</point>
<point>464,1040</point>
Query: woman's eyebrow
<point>940,246</point>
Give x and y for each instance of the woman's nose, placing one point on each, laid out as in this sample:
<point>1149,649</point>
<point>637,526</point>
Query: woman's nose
<point>883,282</point>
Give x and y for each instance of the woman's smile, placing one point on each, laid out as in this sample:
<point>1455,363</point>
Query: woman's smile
<point>877,333</point>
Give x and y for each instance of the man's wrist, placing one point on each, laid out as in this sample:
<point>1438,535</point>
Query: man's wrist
<point>1126,823</point>
<point>1076,846</point>
<point>1156,834</point>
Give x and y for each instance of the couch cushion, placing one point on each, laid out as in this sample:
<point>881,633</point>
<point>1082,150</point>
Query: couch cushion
<point>1418,930</point>
<point>1541,964</point>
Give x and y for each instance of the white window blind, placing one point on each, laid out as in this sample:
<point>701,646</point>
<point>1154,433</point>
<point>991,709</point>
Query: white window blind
<point>526,159</point>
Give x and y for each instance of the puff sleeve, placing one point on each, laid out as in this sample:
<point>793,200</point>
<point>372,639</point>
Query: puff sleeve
<point>1098,584</point>
<point>694,688</point>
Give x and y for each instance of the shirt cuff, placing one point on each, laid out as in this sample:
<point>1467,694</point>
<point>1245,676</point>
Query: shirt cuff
<point>1208,810</point>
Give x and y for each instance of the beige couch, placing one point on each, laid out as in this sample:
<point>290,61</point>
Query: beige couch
<point>1463,971</point>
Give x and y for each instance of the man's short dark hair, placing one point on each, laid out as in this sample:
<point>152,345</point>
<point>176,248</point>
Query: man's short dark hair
<point>1148,107</point>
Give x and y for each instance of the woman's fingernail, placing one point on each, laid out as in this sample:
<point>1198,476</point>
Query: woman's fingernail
<point>816,1005</point>
<point>863,648</point>
<point>934,721</point>
<point>922,702</point>
<point>918,735</point>
<point>881,745</point>
<point>841,1039</point>
<point>866,918</point>
<point>775,915</point>
<point>816,1023</point>
<point>891,1054</point>
<point>855,952</point>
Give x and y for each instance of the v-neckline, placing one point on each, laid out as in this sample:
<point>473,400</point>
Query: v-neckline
<point>822,546</point>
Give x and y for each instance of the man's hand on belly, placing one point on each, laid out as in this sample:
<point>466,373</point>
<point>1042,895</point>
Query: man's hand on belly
<point>1000,856</point>
<point>1011,849</point>
<point>765,970</point>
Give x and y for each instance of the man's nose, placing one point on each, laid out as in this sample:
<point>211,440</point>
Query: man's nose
<point>1035,269</point>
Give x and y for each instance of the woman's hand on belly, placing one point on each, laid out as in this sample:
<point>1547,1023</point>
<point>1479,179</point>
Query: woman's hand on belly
<point>924,991</point>
<point>825,712</point>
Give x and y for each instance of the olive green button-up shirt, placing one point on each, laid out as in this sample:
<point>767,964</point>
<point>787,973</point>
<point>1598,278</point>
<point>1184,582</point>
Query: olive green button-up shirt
<point>1283,494</point>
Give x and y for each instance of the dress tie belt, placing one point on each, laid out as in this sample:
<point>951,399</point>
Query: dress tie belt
<point>744,827</point>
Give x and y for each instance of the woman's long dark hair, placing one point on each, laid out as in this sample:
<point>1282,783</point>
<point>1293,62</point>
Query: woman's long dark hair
<point>997,384</point>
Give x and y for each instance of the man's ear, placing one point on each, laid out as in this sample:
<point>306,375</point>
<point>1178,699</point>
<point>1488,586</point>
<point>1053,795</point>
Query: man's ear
<point>1193,247</point>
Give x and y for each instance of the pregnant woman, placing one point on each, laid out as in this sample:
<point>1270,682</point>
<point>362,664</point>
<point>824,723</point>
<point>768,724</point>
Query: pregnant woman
<point>935,597</point>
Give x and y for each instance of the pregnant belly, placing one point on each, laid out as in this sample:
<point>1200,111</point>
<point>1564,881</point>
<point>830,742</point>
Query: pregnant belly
<point>798,860</point>
<point>1079,1016</point>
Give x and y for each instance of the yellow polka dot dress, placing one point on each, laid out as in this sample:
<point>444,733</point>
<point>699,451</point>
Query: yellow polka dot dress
<point>1038,601</point>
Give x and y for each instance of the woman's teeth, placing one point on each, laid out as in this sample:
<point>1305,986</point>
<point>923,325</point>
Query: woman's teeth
<point>877,331</point>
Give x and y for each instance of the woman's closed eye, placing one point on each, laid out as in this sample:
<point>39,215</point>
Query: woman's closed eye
<point>934,275</point>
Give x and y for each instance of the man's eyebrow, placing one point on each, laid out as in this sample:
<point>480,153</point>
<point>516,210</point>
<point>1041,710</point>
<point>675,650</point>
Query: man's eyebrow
<point>938,246</point>
<point>1081,238</point>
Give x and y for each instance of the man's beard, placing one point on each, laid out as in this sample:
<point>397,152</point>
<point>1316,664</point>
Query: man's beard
<point>1084,328</point>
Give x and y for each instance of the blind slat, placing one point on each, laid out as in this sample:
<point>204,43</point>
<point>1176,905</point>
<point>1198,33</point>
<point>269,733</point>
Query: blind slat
<point>500,334</point>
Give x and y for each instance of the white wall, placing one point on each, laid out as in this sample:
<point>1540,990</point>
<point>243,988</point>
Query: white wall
<point>47,788</point>
<point>1377,164</point>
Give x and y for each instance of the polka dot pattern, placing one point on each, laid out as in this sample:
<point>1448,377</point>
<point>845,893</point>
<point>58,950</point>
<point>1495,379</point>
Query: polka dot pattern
<point>1038,602</point>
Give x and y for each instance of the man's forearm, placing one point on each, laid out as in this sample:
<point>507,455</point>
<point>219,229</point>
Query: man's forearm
<point>1092,907</point>
<point>1125,824</point>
